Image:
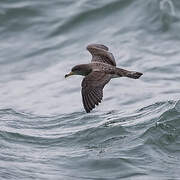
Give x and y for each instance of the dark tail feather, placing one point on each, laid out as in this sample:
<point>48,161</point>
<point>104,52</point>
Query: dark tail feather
<point>125,73</point>
<point>134,75</point>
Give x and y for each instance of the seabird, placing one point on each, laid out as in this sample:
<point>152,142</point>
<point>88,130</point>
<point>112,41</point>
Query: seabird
<point>97,74</point>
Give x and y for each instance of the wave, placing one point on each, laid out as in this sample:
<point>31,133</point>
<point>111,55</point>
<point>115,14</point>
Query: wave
<point>128,137</point>
<point>164,133</point>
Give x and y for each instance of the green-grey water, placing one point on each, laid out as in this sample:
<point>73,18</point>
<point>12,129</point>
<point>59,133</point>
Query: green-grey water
<point>44,130</point>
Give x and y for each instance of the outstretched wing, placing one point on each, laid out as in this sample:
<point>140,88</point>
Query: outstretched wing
<point>100,53</point>
<point>92,89</point>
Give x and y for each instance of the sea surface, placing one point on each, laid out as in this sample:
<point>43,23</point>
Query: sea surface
<point>45,134</point>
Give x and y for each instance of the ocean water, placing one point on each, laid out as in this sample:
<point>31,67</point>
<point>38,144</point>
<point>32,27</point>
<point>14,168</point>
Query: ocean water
<point>44,131</point>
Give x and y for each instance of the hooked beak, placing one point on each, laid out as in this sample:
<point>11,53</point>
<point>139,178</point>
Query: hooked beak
<point>70,74</point>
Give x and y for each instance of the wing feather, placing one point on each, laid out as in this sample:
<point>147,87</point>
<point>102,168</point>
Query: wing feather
<point>85,104</point>
<point>91,101</point>
<point>93,98</point>
<point>92,89</point>
<point>100,53</point>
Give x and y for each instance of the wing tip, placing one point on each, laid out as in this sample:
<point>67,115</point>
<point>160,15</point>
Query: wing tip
<point>89,103</point>
<point>95,46</point>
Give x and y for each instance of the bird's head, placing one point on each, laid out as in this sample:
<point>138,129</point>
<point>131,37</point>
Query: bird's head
<point>82,69</point>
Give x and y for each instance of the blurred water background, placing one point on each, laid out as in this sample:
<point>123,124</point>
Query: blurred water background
<point>44,131</point>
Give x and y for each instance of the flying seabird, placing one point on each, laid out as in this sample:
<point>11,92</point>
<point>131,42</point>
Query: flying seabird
<point>97,74</point>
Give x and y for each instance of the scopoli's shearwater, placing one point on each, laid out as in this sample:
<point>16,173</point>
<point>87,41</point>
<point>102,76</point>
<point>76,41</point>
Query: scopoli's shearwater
<point>97,74</point>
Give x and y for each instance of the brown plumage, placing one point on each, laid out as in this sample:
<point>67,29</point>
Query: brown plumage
<point>97,74</point>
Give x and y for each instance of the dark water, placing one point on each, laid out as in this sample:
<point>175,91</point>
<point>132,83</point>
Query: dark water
<point>44,131</point>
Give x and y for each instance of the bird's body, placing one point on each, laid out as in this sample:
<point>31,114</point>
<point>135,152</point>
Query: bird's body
<point>97,74</point>
<point>113,71</point>
<point>97,66</point>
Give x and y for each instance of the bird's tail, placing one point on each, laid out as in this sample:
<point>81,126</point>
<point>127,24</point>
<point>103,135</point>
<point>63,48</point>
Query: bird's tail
<point>129,74</point>
<point>134,75</point>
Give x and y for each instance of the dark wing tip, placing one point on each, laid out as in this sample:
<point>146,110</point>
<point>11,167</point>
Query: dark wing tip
<point>100,53</point>
<point>90,100</point>
<point>99,46</point>
<point>92,89</point>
